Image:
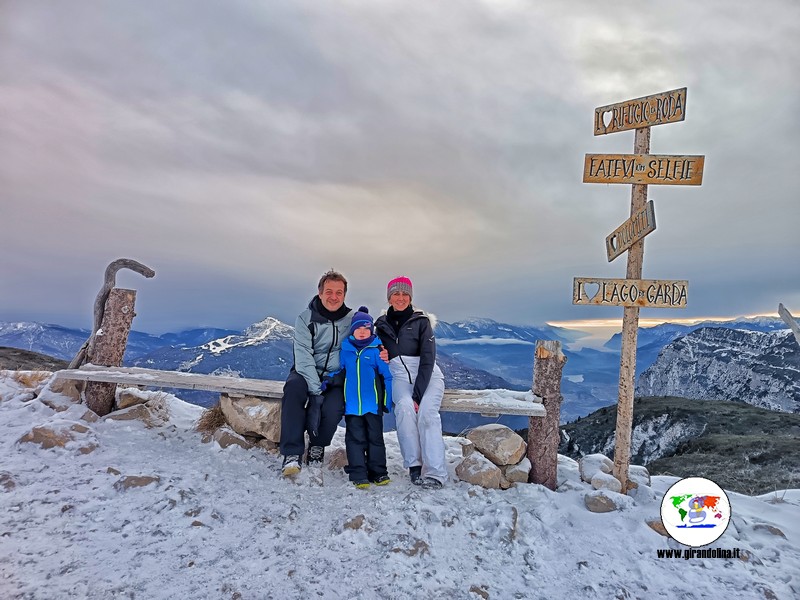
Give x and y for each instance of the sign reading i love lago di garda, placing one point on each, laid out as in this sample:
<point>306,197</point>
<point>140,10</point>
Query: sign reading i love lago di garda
<point>658,109</point>
<point>653,293</point>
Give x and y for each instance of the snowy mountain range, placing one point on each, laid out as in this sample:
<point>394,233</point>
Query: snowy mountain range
<point>714,363</point>
<point>474,354</point>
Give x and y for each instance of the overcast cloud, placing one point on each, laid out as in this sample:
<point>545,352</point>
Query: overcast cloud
<point>242,148</point>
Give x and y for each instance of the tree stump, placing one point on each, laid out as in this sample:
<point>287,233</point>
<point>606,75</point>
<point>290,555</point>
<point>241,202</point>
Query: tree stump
<point>543,432</point>
<point>108,346</point>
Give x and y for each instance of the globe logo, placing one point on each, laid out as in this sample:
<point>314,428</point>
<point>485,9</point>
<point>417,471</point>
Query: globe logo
<point>695,511</point>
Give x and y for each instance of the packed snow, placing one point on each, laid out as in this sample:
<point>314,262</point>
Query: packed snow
<point>222,523</point>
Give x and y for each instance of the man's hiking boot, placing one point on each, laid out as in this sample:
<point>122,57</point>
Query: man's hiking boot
<point>316,454</point>
<point>416,475</point>
<point>382,480</point>
<point>430,483</point>
<point>291,465</point>
<point>361,484</point>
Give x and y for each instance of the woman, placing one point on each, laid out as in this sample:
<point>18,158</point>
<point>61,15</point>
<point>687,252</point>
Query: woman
<point>417,385</point>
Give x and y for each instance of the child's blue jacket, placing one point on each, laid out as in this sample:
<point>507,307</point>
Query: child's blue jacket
<point>363,392</point>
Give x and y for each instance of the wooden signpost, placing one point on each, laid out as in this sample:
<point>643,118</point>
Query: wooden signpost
<point>639,169</point>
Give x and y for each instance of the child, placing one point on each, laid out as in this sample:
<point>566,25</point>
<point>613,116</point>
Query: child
<point>367,395</point>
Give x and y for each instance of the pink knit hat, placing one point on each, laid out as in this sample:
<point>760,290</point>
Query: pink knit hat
<point>398,284</point>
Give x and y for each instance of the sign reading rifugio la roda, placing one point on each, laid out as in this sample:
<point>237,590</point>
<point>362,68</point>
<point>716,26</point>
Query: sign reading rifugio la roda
<point>658,109</point>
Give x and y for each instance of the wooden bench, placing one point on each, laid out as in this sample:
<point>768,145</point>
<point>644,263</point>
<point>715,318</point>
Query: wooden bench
<point>488,403</point>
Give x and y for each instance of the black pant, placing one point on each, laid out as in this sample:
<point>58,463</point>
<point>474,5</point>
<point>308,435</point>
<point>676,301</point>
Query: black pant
<point>293,415</point>
<point>366,453</point>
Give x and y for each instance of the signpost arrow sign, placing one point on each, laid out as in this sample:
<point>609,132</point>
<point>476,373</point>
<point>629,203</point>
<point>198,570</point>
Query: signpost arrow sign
<point>658,109</point>
<point>652,293</point>
<point>631,231</point>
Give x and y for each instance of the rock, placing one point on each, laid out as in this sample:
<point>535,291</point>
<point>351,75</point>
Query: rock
<point>592,463</point>
<point>602,501</point>
<point>337,459</point>
<point>605,481</point>
<point>482,591</point>
<point>269,446</point>
<point>226,438</point>
<point>356,522</point>
<point>639,475</point>
<point>127,397</point>
<point>133,481</point>
<point>47,438</point>
<point>657,526</point>
<point>57,402</point>
<point>770,529</point>
<point>479,470</point>
<point>467,447</point>
<point>253,416</point>
<point>7,482</point>
<point>498,443</point>
<point>70,388</point>
<point>89,416</point>
<point>140,412</point>
<point>643,495</point>
<point>87,449</point>
<point>519,472</point>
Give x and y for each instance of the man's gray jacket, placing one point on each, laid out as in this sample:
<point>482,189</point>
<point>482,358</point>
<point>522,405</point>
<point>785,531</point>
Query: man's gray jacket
<point>317,342</point>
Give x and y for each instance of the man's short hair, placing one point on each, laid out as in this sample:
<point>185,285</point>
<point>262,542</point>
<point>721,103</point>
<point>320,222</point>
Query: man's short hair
<point>332,276</point>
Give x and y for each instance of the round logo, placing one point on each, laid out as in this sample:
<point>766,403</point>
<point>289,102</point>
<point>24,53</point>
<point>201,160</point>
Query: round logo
<point>695,511</point>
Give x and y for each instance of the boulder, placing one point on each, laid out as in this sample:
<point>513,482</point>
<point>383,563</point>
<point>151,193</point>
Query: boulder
<point>602,501</point>
<point>70,388</point>
<point>638,475</point>
<point>127,397</point>
<point>48,437</point>
<point>140,412</point>
<point>519,472</point>
<point>479,470</point>
<point>592,463</point>
<point>250,415</point>
<point>337,459</point>
<point>271,447</point>
<point>467,447</point>
<point>226,438</point>
<point>657,526</point>
<point>605,481</point>
<point>498,443</point>
<point>133,481</point>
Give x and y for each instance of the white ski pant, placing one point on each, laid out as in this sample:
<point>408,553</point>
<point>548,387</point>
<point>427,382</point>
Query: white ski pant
<point>419,434</point>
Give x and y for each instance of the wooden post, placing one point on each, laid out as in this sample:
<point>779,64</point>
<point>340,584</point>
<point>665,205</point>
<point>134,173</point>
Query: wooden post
<point>630,331</point>
<point>543,432</point>
<point>108,346</point>
<point>789,320</point>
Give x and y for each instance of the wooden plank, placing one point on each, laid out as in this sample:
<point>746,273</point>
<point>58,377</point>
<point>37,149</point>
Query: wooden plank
<point>484,402</point>
<point>644,169</point>
<point>631,231</point>
<point>658,109</point>
<point>652,293</point>
<point>176,379</point>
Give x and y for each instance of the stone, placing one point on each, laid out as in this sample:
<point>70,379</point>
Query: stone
<point>57,402</point>
<point>134,481</point>
<point>87,449</point>
<point>269,446</point>
<point>592,463</point>
<point>498,443</point>
<point>140,412</point>
<point>226,438</point>
<point>127,397</point>
<point>253,416</point>
<point>337,459</point>
<point>657,526</point>
<point>519,472</point>
<point>769,529</point>
<point>639,475</point>
<point>605,481</point>
<point>467,447</point>
<point>7,482</point>
<point>70,388</point>
<point>356,522</point>
<point>479,470</point>
<point>603,501</point>
<point>47,438</point>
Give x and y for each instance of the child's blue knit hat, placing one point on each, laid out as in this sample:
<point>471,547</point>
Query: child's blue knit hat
<point>362,318</point>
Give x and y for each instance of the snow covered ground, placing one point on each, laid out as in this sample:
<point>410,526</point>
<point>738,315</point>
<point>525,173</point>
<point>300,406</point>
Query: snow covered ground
<point>221,523</point>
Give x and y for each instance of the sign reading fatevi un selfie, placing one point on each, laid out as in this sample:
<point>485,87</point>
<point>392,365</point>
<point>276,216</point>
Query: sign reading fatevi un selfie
<point>639,170</point>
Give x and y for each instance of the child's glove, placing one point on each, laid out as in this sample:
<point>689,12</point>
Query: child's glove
<point>416,406</point>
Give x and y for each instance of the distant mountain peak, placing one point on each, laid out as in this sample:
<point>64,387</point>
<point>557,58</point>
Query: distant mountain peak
<point>258,333</point>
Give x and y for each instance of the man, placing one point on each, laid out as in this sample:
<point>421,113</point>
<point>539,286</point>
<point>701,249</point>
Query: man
<point>318,335</point>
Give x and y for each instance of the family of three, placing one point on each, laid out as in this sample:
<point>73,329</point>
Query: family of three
<point>347,364</point>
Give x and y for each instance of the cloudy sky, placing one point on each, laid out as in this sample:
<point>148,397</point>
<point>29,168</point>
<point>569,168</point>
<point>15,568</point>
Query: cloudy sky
<point>242,148</point>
